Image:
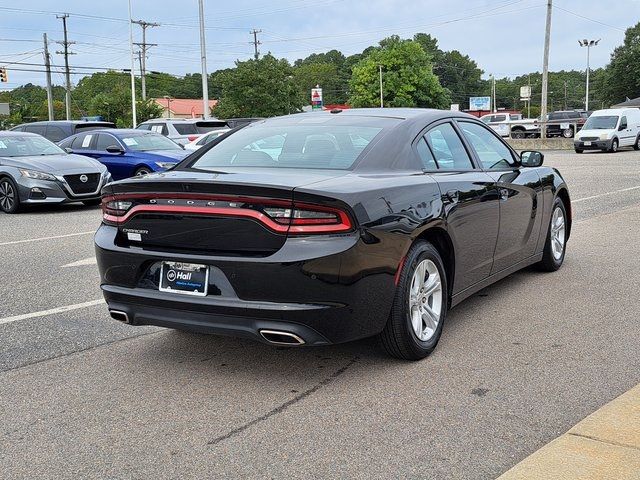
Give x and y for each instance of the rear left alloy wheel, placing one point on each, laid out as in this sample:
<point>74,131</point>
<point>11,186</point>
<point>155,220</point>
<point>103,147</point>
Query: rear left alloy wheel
<point>9,200</point>
<point>419,307</point>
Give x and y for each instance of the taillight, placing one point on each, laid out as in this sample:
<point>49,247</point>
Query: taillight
<point>280,216</point>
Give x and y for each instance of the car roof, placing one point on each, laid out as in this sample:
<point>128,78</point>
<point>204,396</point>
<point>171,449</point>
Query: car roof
<point>68,122</point>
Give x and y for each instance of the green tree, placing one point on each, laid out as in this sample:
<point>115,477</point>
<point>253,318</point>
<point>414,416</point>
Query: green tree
<point>408,80</point>
<point>258,88</point>
<point>622,74</point>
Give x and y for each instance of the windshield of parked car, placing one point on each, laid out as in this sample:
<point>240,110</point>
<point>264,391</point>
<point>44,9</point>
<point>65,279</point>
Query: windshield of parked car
<point>26,145</point>
<point>601,123</point>
<point>147,142</point>
<point>319,144</point>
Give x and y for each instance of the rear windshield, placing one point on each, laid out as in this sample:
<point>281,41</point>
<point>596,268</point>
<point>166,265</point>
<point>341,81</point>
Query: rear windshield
<point>93,126</point>
<point>207,126</point>
<point>601,123</point>
<point>324,146</point>
<point>186,128</point>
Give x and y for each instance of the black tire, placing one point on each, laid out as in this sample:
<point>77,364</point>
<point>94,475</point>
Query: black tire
<point>636,146</point>
<point>579,150</point>
<point>549,262</point>
<point>142,171</point>
<point>92,203</point>
<point>567,132</point>
<point>398,337</point>
<point>517,134</point>
<point>9,196</point>
<point>614,146</point>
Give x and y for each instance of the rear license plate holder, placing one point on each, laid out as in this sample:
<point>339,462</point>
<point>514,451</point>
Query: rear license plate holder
<point>184,278</point>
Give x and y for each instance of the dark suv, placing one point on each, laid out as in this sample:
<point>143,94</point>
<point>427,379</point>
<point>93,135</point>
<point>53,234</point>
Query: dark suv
<point>562,123</point>
<point>57,130</point>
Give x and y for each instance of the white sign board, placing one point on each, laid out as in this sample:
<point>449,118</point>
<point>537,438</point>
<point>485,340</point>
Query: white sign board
<point>479,103</point>
<point>525,92</point>
<point>455,107</point>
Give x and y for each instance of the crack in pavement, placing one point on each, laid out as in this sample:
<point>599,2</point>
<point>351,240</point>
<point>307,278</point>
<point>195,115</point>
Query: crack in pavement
<point>284,406</point>
<point>602,440</point>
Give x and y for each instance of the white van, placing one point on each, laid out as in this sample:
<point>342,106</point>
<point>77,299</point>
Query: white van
<point>610,129</point>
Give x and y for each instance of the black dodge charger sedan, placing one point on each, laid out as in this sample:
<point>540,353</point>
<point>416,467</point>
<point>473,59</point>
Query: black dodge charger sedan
<point>322,228</point>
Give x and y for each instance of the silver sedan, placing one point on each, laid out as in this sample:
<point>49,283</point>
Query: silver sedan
<point>34,170</point>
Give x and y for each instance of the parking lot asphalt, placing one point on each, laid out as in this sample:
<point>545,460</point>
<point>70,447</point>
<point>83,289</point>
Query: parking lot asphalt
<point>518,364</point>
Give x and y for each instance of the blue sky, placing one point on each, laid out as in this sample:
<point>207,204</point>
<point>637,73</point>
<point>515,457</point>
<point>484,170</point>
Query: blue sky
<point>505,37</point>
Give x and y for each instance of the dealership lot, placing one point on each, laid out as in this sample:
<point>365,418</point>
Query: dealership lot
<point>518,364</point>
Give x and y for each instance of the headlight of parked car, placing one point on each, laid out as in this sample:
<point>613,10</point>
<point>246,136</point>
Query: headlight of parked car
<point>37,175</point>
<point>604,136</point>
<point>165,164</point>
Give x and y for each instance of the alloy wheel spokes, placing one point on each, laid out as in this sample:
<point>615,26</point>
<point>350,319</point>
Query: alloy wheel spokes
<point>425,300</point>
<point>557,233</point>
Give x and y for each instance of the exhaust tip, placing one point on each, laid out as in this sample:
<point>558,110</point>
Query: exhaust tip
<point>120,316</point>
<point>278,337</point>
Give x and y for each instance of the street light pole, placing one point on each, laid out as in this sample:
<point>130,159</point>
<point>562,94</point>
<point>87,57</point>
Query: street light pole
<point>203,57</point>
<point>545,71</point>
<point>381,95</point>
<point>588,44</point>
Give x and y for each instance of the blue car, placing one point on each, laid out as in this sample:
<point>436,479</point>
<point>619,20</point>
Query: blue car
<point>126,152</point>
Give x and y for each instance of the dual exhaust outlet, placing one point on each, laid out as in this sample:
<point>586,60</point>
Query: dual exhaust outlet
<point>275,337</point>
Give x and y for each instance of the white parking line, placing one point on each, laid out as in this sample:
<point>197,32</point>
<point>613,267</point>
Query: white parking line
<point>52,311</point>
<point>81,263</point>
<point>40,239</point>
<point>605,194</point>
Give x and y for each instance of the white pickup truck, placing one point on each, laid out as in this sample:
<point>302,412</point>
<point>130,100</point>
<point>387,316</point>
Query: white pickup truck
<point>511,124</point>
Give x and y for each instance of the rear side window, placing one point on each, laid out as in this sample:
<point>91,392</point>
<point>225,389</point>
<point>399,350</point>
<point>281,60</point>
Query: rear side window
<point>39,129</point>
<point>55,133</point>
<point>186,128</point>
<point>144,126</point>
<point>447,148</point>
<point>426,157</point>
<point>82,141</point>
<point>499,118</point>
<point>493,154</point>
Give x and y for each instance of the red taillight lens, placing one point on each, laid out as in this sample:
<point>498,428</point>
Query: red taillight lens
<point>281,216</point>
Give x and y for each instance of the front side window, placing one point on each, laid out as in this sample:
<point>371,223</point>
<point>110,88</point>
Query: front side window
<point>492,152</point>
<point>623,122</point>
<point>27,145</point>
<point>186,128</point>
<point>499,118</point>
<point>334,146</point>
<point>160,128</point>
<point>82,141</point>
<point>39,129</point>
<point>447,148</point>
<point>104,140</point>
<point>55,133</point>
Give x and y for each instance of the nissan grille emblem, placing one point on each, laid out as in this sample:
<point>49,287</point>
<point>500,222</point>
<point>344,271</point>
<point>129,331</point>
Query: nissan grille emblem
<point>84,178</point>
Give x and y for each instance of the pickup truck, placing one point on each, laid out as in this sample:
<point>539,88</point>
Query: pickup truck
<point>511,124</point>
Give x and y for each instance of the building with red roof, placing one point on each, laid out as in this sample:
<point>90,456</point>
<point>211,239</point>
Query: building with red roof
<point>182,107</point>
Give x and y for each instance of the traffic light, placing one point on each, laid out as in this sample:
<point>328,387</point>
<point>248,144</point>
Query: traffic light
<point>3,75</point>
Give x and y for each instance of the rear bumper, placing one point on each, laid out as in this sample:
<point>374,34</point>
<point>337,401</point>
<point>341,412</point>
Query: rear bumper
<point>325,289</point>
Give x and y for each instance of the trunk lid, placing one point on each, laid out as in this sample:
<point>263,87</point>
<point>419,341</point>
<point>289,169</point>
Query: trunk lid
<point>216,213</point>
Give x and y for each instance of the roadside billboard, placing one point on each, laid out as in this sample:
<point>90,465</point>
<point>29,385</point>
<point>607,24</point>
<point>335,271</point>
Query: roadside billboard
<point>479,103</point>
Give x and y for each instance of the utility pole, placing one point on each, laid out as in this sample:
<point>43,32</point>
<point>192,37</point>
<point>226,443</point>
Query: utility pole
<point>545,71</point>
<point>134,118</point>
<point>66,54</point>
<point>47,65</point>
<point>493,94</point>
<point>381,95</point>
<point>256,42</point>
<point>565,94</point>
<point>203,60</point>
<point>143,48</point>
<point>588,44</point>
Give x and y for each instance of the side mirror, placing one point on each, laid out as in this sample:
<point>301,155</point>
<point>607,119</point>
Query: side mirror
<point>115,149</point>
<point>623,126</point>
<point>531,158</point>
<point>68,150</point>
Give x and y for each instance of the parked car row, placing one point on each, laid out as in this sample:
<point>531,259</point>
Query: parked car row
<point>34,169</point>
